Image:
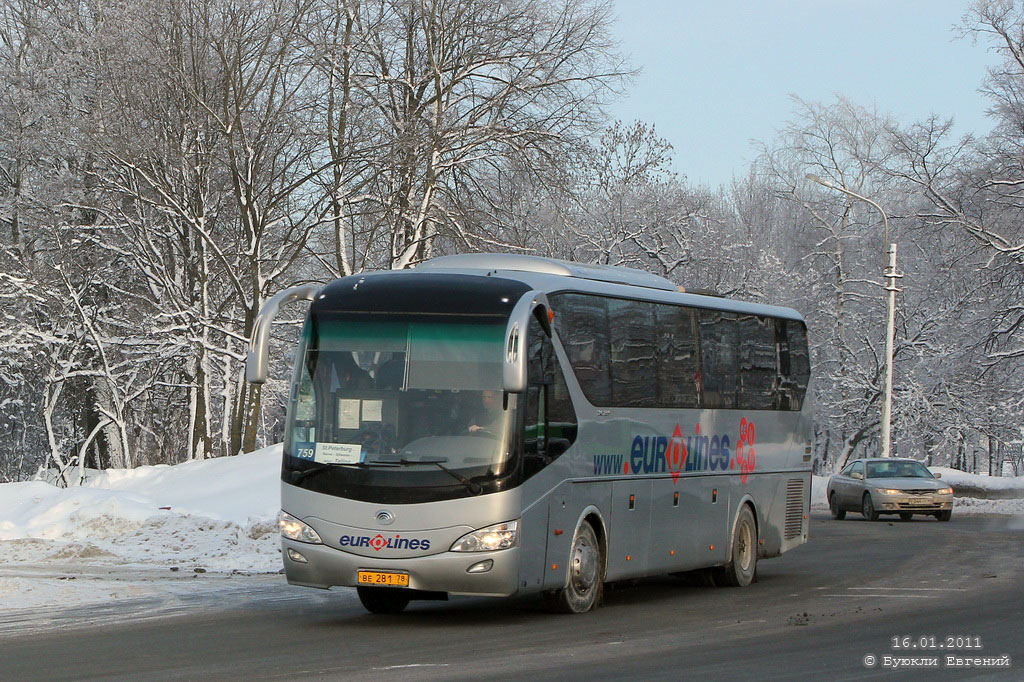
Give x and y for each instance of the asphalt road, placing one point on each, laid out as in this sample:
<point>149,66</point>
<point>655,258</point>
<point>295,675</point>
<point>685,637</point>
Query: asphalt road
<point>817,611</point>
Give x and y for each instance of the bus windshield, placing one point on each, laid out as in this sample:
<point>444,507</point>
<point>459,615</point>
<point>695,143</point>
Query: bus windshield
<point>399,410</point>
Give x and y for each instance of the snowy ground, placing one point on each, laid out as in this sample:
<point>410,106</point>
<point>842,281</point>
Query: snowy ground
<point>155,533</point>
<point>169,533</point>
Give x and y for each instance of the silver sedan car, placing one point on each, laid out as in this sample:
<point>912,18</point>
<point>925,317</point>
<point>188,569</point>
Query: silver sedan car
<point>888,486</point>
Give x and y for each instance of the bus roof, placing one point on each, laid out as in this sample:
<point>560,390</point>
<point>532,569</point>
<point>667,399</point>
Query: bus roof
<point>550,266</point>
<point>552,275</point>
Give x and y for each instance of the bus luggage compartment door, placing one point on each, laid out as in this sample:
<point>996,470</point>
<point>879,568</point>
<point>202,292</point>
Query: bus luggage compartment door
<point>629,532</point>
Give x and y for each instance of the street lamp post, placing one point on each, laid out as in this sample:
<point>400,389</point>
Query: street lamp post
<point>890,325</point>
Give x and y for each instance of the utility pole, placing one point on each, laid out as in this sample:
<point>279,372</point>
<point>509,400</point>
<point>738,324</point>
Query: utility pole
<point>890,326</point>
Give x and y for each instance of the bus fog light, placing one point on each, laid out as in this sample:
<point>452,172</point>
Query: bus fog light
<point>498,536</point>
<point>294,529</point>
<point>296,557</point>
<point>481,566</point>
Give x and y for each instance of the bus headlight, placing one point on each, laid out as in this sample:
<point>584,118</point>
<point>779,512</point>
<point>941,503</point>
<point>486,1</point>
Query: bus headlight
<point>498,536</point>
<point>293,529</point>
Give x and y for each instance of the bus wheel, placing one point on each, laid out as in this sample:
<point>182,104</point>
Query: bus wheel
<point>584,585</point>
<point>383,599</point>
<point>739,572</point>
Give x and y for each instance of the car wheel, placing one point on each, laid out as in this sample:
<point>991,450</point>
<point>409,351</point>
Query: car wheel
<point>906,516</point>
<point>739,572</point>
<point>585,580</point>
<point>868,508</point>
<point>833,506</point>
<point>386,600</point>
<point>944,515</point>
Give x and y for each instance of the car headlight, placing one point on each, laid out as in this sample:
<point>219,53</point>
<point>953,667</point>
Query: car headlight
<point>293,529</point>
<point>944,491</point>
<point>888,491</point>
<point>498,536</point>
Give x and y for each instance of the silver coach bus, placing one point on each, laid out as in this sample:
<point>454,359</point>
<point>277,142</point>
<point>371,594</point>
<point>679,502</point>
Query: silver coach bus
<point>494,424</point>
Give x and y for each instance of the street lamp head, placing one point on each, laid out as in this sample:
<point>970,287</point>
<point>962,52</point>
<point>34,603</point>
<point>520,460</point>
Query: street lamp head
<point>814,178</point>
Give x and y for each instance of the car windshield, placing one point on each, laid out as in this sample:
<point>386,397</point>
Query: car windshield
<point>898,470</point>
<point>397,404</point>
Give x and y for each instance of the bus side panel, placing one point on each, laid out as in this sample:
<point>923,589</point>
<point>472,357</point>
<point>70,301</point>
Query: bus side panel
<point>629,541</point>
<point>682,537</point>
<point>534,536</point>
<point>671,527</point>
<point>789,509</point>
<point>566,506</point>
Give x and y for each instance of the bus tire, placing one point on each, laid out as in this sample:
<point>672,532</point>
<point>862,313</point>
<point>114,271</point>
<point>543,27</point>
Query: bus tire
<point>383,600</point>
<point>742,566</point>
<point>584,583</point>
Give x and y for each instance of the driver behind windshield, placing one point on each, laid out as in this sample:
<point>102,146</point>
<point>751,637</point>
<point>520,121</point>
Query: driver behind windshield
<point>489,420</point>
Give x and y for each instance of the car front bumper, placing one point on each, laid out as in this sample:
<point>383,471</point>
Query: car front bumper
<point>926,503</point>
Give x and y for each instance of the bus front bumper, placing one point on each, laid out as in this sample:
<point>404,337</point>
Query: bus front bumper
<point>327,567</point>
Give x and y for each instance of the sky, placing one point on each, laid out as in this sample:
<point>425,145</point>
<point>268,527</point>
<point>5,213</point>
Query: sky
<point>718,75</point>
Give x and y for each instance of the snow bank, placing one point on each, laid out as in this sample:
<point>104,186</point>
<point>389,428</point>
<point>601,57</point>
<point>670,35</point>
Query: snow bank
<point>215,514</point>
<point>956,477</point>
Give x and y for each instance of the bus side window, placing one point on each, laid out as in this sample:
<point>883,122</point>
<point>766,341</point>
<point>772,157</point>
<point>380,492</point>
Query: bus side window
<point>758,360</point>
<point>633,357</point>
<point>799,361</point>
<point>719,345</point>
<point>678,354</point>
<point>550,420</point>
<point>581,322</point>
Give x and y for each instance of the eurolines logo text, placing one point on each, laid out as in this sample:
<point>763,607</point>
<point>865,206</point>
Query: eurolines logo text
<point>379,542</point>
<point>675,454</point>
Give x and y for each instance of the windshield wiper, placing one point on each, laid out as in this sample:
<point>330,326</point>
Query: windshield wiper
<point>299,476</point>
<point>472,487</point>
